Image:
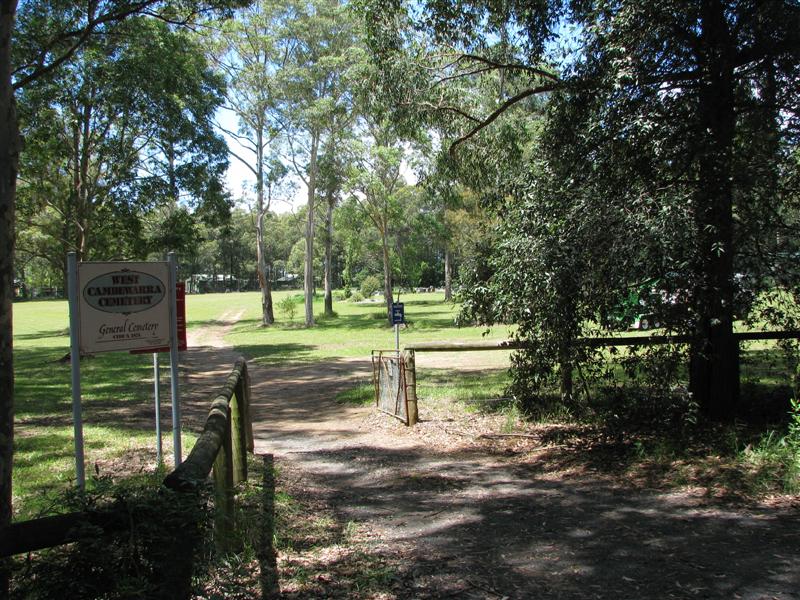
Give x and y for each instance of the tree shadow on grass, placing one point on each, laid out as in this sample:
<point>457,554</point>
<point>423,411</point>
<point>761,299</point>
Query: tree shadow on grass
<point>417,322</point>
<point>50,333</point>
<point>413,302</point>
<point>29,450</point>
<point>272,353</point>
<point>43,384</point>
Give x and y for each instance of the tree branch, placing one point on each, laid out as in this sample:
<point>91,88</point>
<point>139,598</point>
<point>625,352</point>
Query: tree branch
<point>453,109</point>
<point>243,161</point>
<point>511,66</point>
<point>80,36</point>
<point>503,108</point>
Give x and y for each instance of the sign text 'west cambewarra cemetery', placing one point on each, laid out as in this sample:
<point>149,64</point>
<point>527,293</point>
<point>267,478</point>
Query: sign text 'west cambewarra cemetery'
<point>123,306</point>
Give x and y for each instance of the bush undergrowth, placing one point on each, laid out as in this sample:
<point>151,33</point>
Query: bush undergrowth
<point>131,562</point>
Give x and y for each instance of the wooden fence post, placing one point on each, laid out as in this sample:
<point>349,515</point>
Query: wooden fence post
<point>223,492</point>
<point>238,443</point>
<point>411,387</point>
<point>270,589</point>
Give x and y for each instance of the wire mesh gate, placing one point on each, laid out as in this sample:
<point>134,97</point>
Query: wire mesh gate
<point>389,379</point>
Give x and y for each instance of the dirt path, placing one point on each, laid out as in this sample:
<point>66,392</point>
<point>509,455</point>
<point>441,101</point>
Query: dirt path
<point>462,520</point>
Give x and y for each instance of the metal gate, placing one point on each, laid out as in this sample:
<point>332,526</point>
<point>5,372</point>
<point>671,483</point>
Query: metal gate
<point>389,379</point>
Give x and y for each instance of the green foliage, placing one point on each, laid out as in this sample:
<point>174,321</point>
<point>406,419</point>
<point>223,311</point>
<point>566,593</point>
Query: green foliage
<point>777,457</point>
<point>627,411</point>
<point>122,129</point>
<point>288,306</point>
<point>369,285</point>
<point>793,438</point>
<point>787,451</point>
<point>130,563</point>
<point>652,159</point>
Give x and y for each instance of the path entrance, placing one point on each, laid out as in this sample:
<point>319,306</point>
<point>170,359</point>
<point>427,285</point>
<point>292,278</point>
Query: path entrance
<point>450,516</point>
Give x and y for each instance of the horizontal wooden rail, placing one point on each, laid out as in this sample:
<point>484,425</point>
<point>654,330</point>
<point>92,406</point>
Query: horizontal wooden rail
<point>627,340</point>
<point>56,530</point>
<point>196,468</point>
<point>591,342</point>
<point>463,346</point>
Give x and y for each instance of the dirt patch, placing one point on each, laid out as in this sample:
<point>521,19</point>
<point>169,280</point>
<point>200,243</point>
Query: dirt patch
<point>454,508</point>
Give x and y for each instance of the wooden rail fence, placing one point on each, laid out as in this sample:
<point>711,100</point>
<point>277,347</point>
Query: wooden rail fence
<point>593,342</point>
<point>222,447</point>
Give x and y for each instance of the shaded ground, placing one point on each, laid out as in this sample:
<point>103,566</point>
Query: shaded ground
<point>443,512</point>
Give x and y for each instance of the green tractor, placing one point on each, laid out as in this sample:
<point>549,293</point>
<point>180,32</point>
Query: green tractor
<point>636,310</point>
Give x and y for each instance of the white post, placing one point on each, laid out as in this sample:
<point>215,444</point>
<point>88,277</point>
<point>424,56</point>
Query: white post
<point>157,393</point>
<point>173,357</point>
<point>75,364</point>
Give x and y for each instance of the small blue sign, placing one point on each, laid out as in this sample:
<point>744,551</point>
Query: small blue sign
<point>398,313</point>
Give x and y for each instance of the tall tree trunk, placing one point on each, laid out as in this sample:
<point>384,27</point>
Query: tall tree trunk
<point>329,254</point>
<point>80,178</point>
<point>267,310</point>
<point>448,275</point>
<point>9,161</point>
<point>308,283</point>
<point>714,357</point>
<point>173,176</point>
<point>387,272</point>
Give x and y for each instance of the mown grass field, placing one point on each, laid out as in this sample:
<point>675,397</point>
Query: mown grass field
<point>356,330</point>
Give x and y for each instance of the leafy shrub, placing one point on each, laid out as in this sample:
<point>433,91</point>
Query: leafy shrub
<point>370,285</point>
<point>288,306</point>
<point>133,562</point>
<point>775,457</point>
<point>356,297</point>
<point>652,400</point>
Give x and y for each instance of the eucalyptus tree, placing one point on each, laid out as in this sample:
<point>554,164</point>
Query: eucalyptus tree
<point>361,246</point>
<point>375,183</point>
<point>121,129</point>
<point>247,50</point>
<point>332,181</point>
<point>318,42</point>
<point>456,222</point>
<point>667,153</point>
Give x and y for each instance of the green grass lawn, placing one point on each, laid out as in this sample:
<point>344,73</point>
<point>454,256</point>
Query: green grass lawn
<point>117,407</point>
<point>357,329</point>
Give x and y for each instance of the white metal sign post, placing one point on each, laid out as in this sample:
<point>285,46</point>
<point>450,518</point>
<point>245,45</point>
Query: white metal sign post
<point>75,364</point>
<point>173,356</point>
<point>157,395</point>
<point>120,306</point>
